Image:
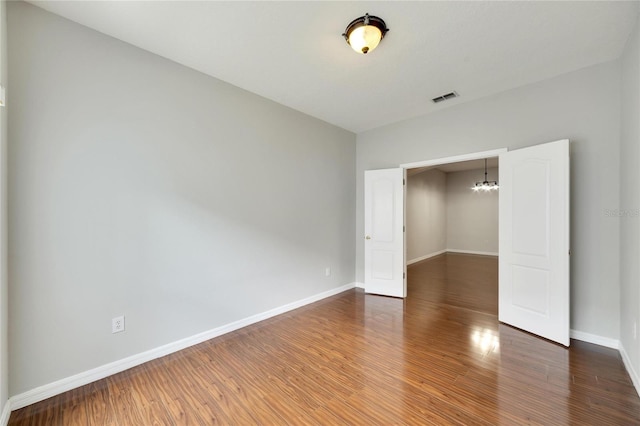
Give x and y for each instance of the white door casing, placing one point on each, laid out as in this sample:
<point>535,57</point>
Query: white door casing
<point>534,240</point>
<point>384,263</point>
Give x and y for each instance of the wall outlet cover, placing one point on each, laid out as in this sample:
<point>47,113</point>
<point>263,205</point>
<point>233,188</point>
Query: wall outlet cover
<point>117,324</point>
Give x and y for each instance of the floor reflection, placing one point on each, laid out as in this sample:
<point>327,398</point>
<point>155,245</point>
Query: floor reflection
<point>486,340</point>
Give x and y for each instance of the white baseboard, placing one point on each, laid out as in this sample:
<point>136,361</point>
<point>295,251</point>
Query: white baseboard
<point>613,344</point>
<point>6,413</point>
<point>425,257</point>
<point>629,366</point>
<point>481,253</point>
<point>437,253</point>
<point>595,339</point>
<point>47,391</point>
<point>359,285</point>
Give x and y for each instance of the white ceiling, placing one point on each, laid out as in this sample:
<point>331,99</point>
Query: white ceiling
<point>293,52</point>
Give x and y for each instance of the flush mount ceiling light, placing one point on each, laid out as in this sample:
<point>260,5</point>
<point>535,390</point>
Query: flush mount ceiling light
<point>486,185</point>
<point>364,33</point>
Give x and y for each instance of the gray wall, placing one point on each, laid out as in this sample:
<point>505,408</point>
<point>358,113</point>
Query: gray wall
<point>472,217</point>
<point>4,345</point>
<point>140,187</point>
<point>426,214</point>
<point>630,199</point>
<point>583,106</point>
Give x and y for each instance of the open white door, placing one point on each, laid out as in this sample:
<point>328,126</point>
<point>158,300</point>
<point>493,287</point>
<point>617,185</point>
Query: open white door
<point>384,266</point>
<point>534,240</point>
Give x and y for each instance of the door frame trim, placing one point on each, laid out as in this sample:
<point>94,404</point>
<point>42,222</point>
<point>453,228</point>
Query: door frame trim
<point>455,159</point>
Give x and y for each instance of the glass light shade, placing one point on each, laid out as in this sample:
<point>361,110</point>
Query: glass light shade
<point>486,186</point>
<point>365,38</point>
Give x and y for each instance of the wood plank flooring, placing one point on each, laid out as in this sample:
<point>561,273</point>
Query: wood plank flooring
<point>438,357</point>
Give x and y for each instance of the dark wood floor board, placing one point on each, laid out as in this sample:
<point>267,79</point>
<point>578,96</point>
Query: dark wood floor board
<point>75,411</point>
<point>438,357</point>
<point>99,408</point>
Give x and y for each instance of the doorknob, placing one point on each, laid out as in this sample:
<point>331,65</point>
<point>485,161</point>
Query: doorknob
<point>367,237</point>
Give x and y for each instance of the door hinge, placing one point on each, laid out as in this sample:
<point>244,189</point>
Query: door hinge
<point>404,275</point>
<point>403,182</point>
<point>403,229</point>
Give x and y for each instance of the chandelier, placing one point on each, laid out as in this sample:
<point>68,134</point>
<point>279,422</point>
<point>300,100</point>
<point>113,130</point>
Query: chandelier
<point>485,185</point>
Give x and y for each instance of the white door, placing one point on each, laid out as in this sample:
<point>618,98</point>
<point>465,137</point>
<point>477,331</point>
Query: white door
<point>534,240</point>
<point>384,265</point>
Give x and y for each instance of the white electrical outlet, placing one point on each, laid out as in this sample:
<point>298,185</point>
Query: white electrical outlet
<point>327,271</point>
<point>117,324</point>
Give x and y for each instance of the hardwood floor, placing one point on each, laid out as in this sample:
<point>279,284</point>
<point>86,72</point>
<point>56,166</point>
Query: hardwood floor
<point>438,357</point>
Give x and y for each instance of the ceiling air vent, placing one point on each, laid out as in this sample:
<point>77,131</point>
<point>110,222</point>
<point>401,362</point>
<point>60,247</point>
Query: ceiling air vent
<point>445,97</point>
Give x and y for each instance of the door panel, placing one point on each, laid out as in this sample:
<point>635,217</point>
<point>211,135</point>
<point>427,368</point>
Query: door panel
<point>534,240</point>
<point>384,235</point>
<point>531,208</point>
